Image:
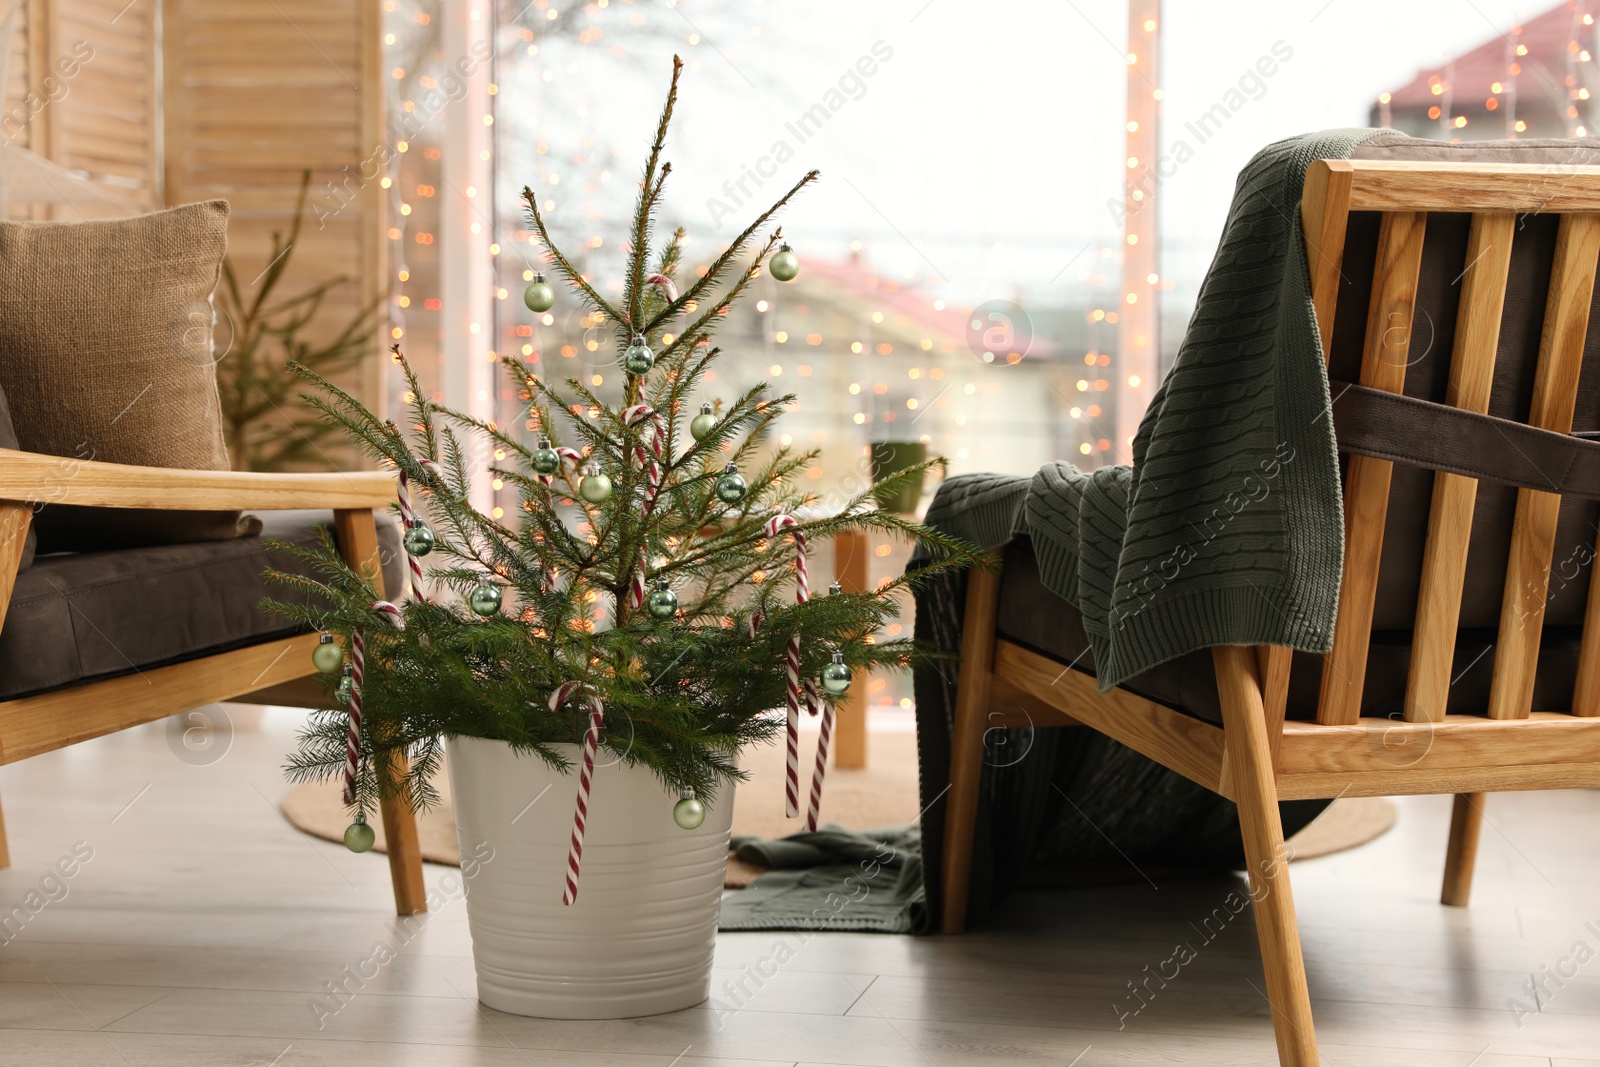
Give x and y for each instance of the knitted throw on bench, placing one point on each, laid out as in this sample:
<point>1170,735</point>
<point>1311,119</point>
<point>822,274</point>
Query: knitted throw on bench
<point>1228,529</point>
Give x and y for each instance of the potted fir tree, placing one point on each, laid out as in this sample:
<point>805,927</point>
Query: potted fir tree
<point>639,623</point>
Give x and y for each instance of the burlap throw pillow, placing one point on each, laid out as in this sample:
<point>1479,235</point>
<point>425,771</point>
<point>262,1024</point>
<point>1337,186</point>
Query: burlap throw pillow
<point>105,354</point>
<point>8,439</point>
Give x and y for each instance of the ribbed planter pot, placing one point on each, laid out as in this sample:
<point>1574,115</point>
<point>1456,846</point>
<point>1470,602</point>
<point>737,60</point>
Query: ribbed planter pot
<point>639,938</point>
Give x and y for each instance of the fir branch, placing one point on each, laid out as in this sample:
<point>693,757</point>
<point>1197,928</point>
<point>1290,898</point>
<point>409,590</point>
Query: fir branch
<point>714,272</point>
<point>563,265</point>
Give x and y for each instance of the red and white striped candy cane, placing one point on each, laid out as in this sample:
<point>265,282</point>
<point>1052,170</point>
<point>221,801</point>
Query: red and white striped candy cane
<point>580,812</point>
<point>814,807</point>
<point>664,283</point>
<point>407,519</point>
<point>570,456</point>
<point>358,671</point>
<point>648,453</point>
<point>802,592</point>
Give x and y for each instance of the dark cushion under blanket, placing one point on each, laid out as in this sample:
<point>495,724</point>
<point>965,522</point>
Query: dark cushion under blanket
<point>1032,616</point>
<point>84,616</point>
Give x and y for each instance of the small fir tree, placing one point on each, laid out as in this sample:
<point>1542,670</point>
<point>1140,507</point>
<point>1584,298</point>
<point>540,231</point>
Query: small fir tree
<point>688,671</point>
<point>265,425</point>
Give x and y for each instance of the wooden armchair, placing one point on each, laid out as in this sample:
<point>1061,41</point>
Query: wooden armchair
<point>1384,239</point>
<point>270,671</point>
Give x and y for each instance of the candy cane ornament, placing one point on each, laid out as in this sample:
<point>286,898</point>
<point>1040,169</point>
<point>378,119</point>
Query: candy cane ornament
<point>814,805</point>
<point>408,519</point>
<point>358,671</point>
<point>823,743</point>
<point>570,456</point>
<point>648,453</point>
<point>665,284</point>
<point>580,811</point>
<point>802,592</point>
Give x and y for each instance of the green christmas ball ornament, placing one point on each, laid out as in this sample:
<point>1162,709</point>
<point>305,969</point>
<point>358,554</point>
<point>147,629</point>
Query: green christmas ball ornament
<point>662,601</point>
<point>485,599</point>
<point>731,486</point>
<point>595,488</point>
<point>418,539</point>
<point>545,459</point>
<point>538,295</point>
<point>346,686</point>
<point>638,359</point>
<point>702,423</point>
<point>836,676</point>
<point>689,812</point>
<point>785,265</point>
<point>359,837</point>
<point>327,657</point>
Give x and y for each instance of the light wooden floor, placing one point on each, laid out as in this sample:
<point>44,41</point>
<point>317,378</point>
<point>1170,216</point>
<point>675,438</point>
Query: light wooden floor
<point>204,926</point>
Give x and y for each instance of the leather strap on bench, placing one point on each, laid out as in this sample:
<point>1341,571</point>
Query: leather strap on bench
<point>1371,422</point>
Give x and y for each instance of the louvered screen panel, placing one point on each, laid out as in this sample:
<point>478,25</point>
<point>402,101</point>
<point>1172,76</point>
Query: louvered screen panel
<point>16,124</point>
<point>258,90</point>
<point>105,121</point>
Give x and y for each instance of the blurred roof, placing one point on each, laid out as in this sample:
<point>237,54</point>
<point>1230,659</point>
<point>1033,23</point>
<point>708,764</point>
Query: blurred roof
<point>1524,72</point>
<point>908,309</point>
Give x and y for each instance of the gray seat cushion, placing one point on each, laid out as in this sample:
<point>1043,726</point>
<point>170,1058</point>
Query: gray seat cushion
<point>79,617</point>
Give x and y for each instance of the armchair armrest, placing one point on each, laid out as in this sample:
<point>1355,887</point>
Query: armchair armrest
<point>32,478</point>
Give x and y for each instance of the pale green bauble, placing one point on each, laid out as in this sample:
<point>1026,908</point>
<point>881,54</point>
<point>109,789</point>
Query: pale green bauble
<point>545,460</point>
<point>702,423</point>
<point>595,488</point>
<point>538,295</point>
<point>662,602</point>
<point>419,539</point>
<point>327,657</point>
<point>638,359</point>
<point>785,265</point>
<point>346,686</point>
<point>689,813</point>
<point>731,486</point>
<point>836,676</point>
<point>485,599</point>
<point>359,837</point>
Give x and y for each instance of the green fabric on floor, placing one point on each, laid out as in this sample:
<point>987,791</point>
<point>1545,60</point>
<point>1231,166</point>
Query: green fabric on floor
<point>1228,529</point>
<point>833,879</point>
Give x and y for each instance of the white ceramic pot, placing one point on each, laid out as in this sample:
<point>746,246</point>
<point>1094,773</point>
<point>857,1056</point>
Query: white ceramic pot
<point>639,938</point>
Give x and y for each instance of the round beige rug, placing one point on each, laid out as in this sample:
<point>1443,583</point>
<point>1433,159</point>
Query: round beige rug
<point>882,794</point>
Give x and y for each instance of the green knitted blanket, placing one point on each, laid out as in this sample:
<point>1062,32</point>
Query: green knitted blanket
<point>1228,529</point>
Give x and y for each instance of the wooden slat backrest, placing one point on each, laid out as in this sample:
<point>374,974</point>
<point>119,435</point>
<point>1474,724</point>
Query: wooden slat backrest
<point>1366,489</point>
<point>1555,391</point>
<point>1494,194</point>
<point>1444,563</point>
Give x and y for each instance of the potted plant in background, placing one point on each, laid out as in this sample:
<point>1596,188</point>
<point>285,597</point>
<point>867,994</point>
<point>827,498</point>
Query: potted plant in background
<point>638,624</point>
<point>266,426</point>
<point>890,460</point>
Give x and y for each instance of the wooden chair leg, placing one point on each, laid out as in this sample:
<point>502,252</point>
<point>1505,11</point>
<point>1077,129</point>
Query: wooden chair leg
<point>14,520</point>
<point>357,533</point>
<point>850,556</point>
<point>5,851</point>
<point>405,853</point>
<point>1254,787</point>
<point>1466,822</point>
<point>966,742</point>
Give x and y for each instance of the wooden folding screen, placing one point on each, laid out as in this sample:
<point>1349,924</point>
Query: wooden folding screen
<point>164,102</point>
